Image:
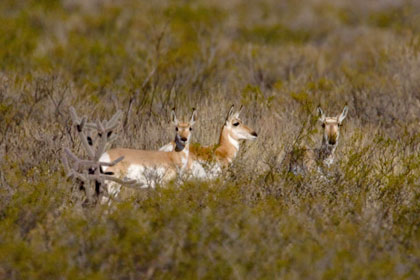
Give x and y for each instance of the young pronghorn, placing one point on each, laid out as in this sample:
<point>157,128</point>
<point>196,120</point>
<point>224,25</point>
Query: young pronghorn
<point>151,167</point>
<point>220,155</point>
<point>306,159</point>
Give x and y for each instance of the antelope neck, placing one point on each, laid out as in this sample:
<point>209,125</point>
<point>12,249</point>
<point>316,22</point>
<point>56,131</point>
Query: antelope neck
<point>184,159</point>
<point>326,151</point>
<point>229,144</point>
<point>183,149</point>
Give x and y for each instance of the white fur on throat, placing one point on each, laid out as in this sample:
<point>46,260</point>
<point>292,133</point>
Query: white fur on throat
<point>329,161</point>
<point>234,142</point>
<point>184,159</point>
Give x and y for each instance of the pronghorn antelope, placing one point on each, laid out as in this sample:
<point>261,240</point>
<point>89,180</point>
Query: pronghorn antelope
<point>220,155</point>
<point>305,159</point>
<point>151,167</point>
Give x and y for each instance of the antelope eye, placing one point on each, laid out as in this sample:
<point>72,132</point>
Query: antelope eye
<point>190,128</point>
<point>323,125</point>
<point>236,124</point>
<point>176,128</point>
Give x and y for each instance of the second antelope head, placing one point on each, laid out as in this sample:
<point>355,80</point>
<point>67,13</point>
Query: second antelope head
<point>238,130</point>
<point>183,130</point>
<point>331,126</point>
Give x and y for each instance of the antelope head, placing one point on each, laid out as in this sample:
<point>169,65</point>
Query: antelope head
<point>183,130</point>
<point>237,129</point>
<point>331,126</point>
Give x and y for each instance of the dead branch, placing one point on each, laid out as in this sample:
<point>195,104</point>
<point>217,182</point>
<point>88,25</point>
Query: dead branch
<point>90,169</point>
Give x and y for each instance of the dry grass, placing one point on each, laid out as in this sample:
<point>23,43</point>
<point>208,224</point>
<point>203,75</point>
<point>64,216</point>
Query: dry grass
<point>278,58</point>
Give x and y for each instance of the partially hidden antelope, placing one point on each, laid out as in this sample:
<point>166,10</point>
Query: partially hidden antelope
<point>151,167</point>
<point>207,162</point>
<point>305,159</point>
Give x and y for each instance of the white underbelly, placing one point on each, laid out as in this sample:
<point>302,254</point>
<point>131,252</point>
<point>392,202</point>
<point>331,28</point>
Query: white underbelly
<point>147,177</point>
<point>205,171</point>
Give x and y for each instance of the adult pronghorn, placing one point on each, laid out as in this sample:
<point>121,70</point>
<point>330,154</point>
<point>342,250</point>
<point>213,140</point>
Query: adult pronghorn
<point>305,159</point>
<point>151,167</point>
<point>206,162</point>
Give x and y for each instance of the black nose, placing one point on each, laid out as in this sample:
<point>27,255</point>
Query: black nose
<point>254,134</point>
<point>183,139</point>
<point>331,142</point>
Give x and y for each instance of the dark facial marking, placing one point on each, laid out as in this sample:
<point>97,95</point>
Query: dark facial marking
<point>179,146</point>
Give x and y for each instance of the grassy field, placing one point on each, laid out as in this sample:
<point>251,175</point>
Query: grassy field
<point>280,59</point>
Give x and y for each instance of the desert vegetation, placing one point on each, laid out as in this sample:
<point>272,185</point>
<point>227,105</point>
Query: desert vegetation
<point>280,59</point>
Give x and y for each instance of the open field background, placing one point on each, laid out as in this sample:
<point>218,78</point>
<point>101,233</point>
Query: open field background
<point>278,58</point>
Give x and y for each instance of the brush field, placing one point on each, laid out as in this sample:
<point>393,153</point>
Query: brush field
<point>280,59</point>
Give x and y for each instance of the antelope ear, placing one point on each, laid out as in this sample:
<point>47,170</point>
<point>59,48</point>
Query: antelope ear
<point>321,114</point>
<point>239,112</point>
<point>193,117</point>
<point>229,115</point>
<point>174,120</point>
<point>343,114</point>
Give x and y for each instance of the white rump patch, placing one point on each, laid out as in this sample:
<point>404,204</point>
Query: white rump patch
<point>105,158</point>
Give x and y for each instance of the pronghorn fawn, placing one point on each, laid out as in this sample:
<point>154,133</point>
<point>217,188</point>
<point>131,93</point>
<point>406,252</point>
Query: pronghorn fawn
<point>151,167</point>
<point>207,161</point>
<point>305,159</point>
